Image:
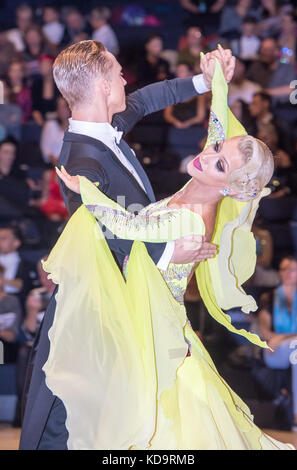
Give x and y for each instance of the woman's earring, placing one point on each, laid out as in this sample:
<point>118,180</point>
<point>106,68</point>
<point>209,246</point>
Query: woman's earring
<point>225,191</point>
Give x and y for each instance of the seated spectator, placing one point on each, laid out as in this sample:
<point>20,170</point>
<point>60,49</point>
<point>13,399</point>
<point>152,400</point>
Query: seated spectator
<point>14,192</point>
<point>232,18</point>
<point>271,18</point>
<point>19,275</point>
<point>102,31</point>
<point>24,19</point>
<point>51,202</point>
<point>278,323</point>
<point>186,120</point>
<point>35,46</point>
<point>10,320</point>
<point>53,132</point>
<point>44,90</point>
<point>260,109</point>
<point>273,76</point>
<point>36,304</point>
<point>53,29</point>
<point>264,275</point>
<point>240,88</point>
<point>20,93</point>
<point>8,52</point>
<point>287,38</point>
<point>191,53</point>
<point>76,29</point>
<point>11,115</point>
<point>248,44</point>
<point>152,67</point>
<point>284,179</point>
<point>203,14</point>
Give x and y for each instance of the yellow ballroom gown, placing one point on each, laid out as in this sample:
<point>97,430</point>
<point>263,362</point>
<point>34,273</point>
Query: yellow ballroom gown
<point>123,357</point>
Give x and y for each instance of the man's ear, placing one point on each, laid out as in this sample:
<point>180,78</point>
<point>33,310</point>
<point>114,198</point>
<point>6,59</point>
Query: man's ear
<point>105,87</point>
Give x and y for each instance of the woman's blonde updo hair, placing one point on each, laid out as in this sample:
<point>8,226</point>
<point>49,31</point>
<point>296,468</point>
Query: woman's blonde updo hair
<point>249,180</point>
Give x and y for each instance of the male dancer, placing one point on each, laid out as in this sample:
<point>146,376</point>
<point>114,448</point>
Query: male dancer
<point>90,79</point>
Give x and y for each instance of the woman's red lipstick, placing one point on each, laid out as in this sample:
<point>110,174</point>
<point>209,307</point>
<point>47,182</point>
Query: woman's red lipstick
<point>197,164</point>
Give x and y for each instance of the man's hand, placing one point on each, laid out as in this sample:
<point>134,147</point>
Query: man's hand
<point>208,63</point>
<point>192,249</point>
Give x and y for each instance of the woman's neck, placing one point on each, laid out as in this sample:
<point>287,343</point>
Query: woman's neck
<point>198,193</point>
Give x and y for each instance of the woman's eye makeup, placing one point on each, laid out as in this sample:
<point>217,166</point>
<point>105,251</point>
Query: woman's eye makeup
<point>220,166</point>
<point>217,147</point>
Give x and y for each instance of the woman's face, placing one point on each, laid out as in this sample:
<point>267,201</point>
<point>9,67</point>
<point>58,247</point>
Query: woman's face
<point>213,165</point>
<point>288,272</point>
<point>16,71</point>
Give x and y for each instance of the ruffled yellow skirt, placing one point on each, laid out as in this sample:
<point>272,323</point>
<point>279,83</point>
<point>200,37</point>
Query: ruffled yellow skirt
<point>118,357</point>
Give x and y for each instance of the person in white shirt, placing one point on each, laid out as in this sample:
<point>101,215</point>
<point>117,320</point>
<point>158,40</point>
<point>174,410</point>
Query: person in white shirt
<point>24,19</point>
<point>52,133</point>
<point>53,29</point>
<point>241,89</point>
<point>102,31</point>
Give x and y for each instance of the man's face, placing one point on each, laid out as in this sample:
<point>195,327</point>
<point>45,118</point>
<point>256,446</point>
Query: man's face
<point>117,97</point>
<point>257,106</point>
<point>24,19</point>
<point>194,36</point>
<point>155,46</point>
<point>268,51</point>
<point>8,242</point>
<point>7,157</point>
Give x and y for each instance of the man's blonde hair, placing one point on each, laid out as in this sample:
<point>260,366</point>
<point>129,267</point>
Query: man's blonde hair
<point>256,171</point>
<point>76,67</point>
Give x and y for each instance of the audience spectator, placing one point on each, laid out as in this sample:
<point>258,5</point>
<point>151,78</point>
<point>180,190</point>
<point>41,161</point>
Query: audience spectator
<point>44,90</point>
<point>186,120</point>
<point>240,88</point>
<point>287,38</point>
<point>24,19</point>
<point>14,192</point>
<point>232,18</point>
<point>203,14</point>
<point>53,132</point>
<point>36,304</point>
<point>10,320</point>
<point>76,28</point>
<point>20,93</point>
<point>248,43</point>
<point>35,46</point>
<point>272,74</point>
<point>284,179</point>
<point>271,15</point>
<point>152,67</point>
<point>191,53</point>
<point>11,115</point>
<point>53,29</point>
<point>278,323</point>
<point>19,275</point>
<point>8,51</point>
<point>260,110</point>
<point>265,275</point>
<point>102,31</point>
<point>51,202</point>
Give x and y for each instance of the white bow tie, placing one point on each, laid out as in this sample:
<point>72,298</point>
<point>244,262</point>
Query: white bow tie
<point>117,135</point>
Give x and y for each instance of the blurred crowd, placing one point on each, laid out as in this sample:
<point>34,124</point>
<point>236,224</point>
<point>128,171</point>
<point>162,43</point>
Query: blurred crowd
<point>153,41</point>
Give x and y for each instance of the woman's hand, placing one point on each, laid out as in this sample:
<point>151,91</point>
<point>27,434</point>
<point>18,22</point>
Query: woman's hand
<point>274,342</point>
<point>72,182</point>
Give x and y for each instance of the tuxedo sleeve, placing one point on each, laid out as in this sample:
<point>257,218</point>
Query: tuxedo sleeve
<point>155,97</point>
<point>95,173</point>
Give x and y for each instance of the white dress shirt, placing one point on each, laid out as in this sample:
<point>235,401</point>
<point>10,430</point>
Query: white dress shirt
<point>110,136</point>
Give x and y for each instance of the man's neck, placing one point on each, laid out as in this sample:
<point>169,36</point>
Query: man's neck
<point>91,115</point>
